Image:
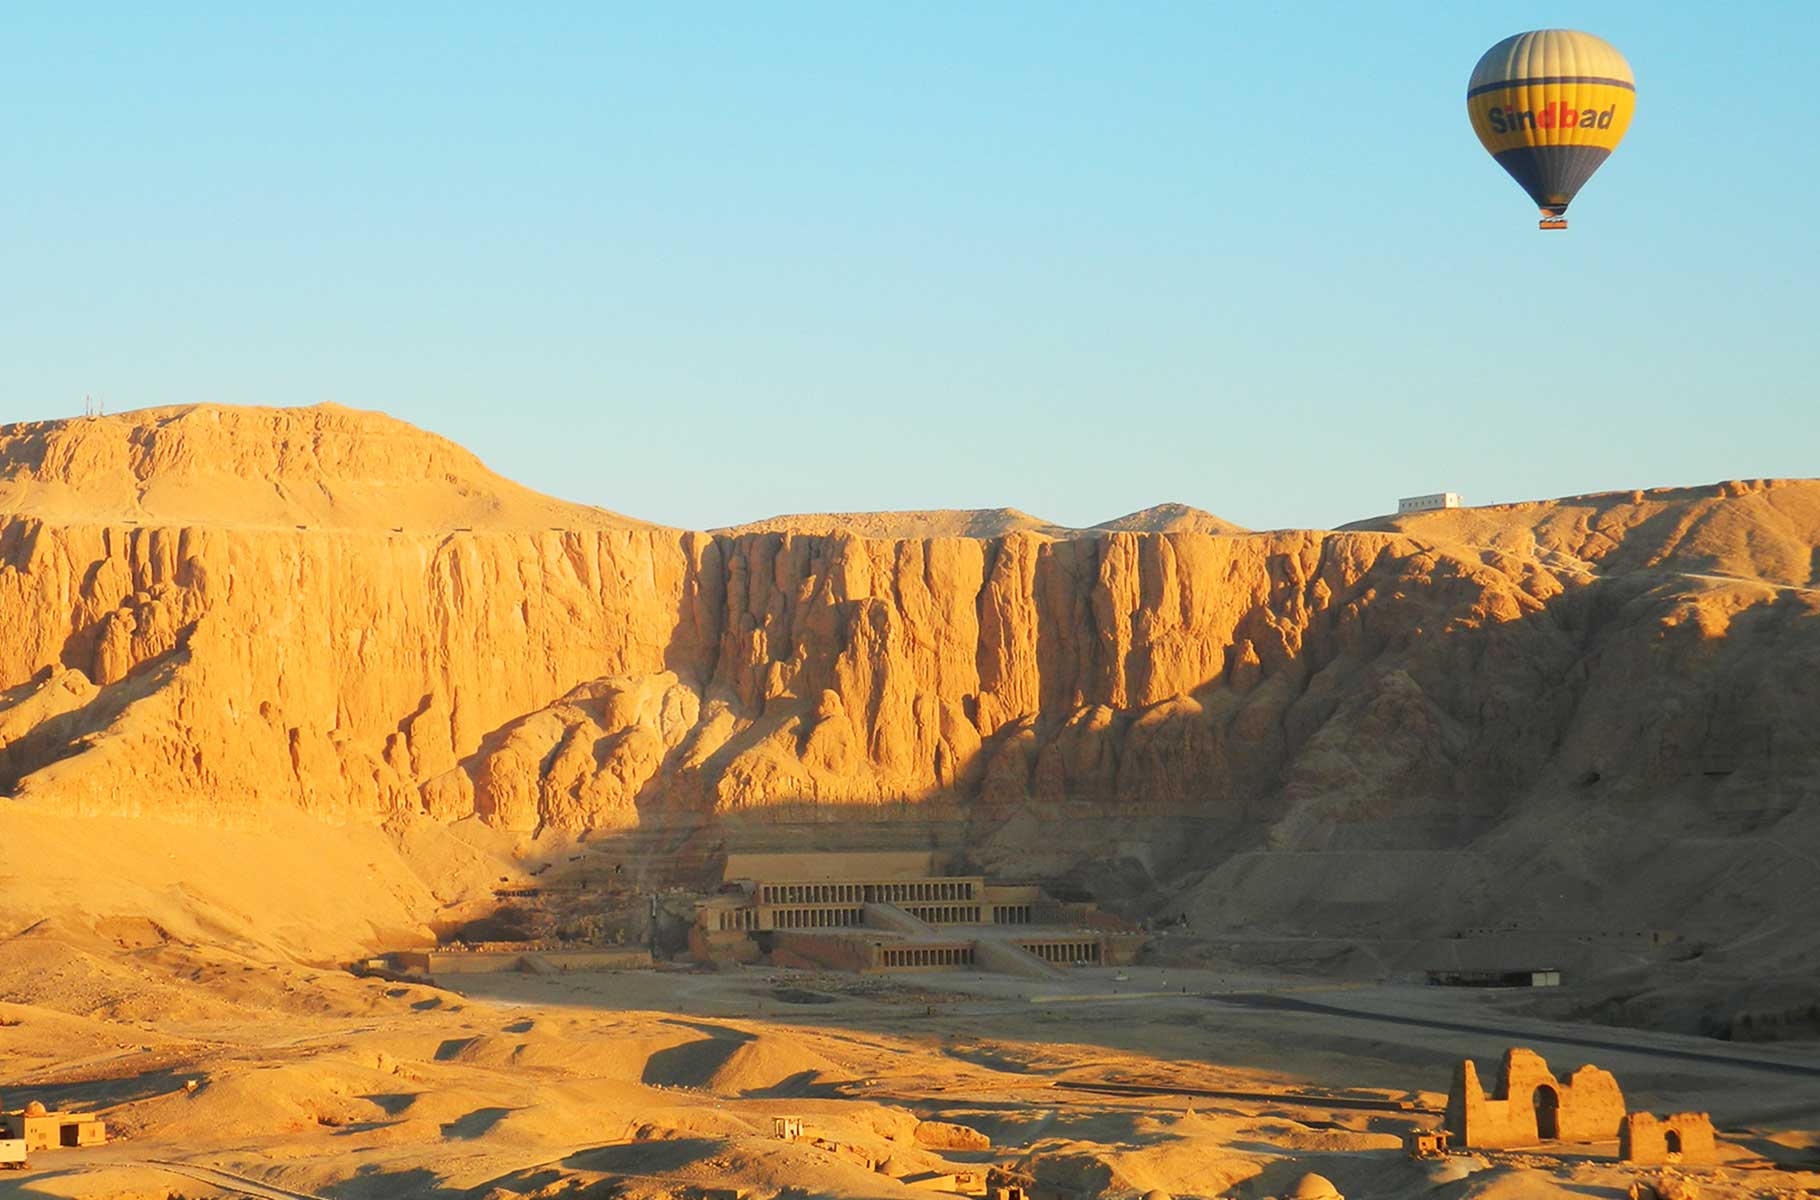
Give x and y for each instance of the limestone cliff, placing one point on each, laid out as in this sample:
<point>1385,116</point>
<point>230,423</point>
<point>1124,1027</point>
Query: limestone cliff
<point>205,612</point>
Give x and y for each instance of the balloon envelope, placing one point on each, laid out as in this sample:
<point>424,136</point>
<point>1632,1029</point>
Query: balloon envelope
<point>1550,106</point>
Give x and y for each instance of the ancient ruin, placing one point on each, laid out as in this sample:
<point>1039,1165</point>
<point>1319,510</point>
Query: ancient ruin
<point>1684,1137</point>
<point>886,911</point>
<point>1425,1143</point>
<point>1529,1105</point>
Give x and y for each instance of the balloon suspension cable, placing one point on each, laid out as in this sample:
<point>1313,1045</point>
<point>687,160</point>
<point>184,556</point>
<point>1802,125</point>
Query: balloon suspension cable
<point>1553,218</point>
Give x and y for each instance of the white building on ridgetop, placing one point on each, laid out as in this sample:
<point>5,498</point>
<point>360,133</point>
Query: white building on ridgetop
<point>1429,503</point>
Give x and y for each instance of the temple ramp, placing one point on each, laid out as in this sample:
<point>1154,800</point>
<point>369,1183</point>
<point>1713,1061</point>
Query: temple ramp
<point>895,919</point>
<point>998,953</point>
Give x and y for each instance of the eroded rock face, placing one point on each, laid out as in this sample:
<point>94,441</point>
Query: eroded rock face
<point>1171,696</point>
<point>570,675</point>
<point>340,671</point>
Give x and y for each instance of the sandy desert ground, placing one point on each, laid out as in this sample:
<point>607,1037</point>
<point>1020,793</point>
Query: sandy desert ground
<point>652,1083</point>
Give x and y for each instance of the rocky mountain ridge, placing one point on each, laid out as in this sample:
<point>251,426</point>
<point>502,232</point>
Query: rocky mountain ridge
<point>324,467</point>
<point>984,523</point>
<point>1515,685</point>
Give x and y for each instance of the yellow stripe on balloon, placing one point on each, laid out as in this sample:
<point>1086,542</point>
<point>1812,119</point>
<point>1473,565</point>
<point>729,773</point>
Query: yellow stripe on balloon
<point>1554,114</point>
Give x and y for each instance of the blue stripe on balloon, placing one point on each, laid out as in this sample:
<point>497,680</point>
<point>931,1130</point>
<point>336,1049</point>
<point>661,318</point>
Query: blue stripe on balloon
<point>1542,80</point>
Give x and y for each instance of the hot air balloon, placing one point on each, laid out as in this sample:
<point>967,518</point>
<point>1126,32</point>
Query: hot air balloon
<point>1551,105</point>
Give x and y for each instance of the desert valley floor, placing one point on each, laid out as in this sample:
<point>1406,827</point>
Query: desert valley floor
<point>657,1083</point>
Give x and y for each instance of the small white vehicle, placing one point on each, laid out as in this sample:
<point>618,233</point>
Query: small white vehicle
<point>12,1154</point>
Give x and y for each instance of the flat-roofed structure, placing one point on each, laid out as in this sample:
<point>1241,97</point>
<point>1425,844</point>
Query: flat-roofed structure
<point>892,911</point>
<point>767,892</point>
<point>41,1129</point>
<point>1521,977</point>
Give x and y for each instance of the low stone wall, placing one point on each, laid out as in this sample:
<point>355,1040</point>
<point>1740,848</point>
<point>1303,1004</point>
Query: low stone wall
<point>832,951</point>
<point>615,959</point>
<point>474,962</point>
<point>721,946</point>
<point>1122,949</point>
<point>489,962</point>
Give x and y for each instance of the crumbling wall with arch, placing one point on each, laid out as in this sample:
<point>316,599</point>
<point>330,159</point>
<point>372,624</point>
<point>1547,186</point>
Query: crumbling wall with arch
<point>1684,1137</point>
<point>1529,1105</point>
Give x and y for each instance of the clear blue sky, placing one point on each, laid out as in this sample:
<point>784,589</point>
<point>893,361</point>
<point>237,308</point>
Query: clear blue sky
<point>707,264</point>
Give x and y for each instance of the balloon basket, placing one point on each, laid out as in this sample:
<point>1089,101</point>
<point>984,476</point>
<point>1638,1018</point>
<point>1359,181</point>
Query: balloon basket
<point>1553,218</point>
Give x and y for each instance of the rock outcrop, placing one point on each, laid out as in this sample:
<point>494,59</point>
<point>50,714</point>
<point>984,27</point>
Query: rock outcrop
<point>983,523</point>
<point>206,611</point>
